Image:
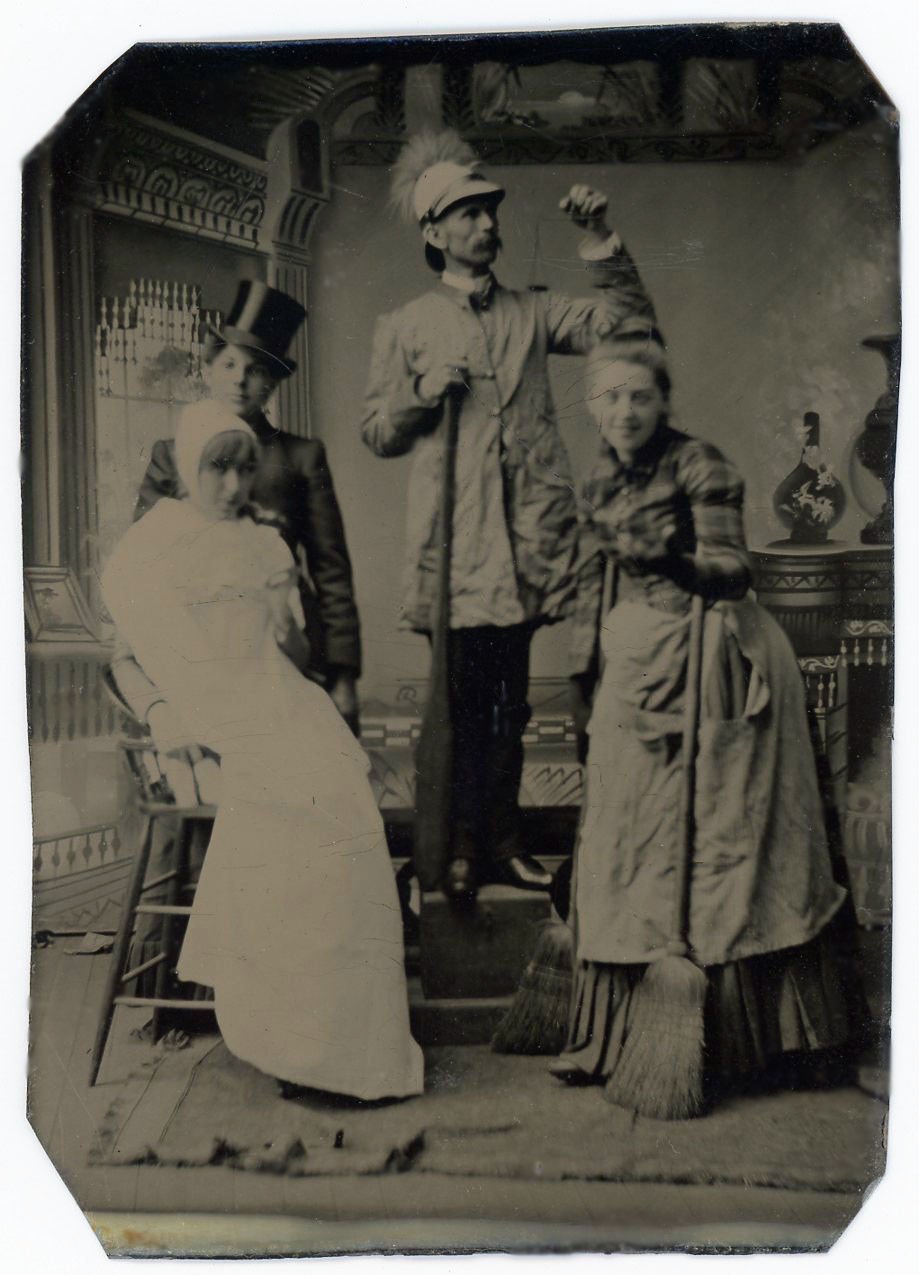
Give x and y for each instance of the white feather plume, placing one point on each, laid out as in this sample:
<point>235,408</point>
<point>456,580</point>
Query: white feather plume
<point>419,153</point>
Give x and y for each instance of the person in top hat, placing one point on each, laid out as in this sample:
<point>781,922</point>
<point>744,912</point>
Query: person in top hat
<point>514,539</point>
<point>293,491</point>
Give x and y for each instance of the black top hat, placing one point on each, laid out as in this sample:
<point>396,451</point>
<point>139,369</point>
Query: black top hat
<point>266,320</point>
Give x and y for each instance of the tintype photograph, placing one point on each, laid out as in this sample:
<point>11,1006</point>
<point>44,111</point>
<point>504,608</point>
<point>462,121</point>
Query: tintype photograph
<point>458,610</point>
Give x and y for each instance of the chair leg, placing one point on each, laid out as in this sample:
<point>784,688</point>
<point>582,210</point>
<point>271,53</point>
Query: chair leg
<point>120,949</point>
<point>180,875</point>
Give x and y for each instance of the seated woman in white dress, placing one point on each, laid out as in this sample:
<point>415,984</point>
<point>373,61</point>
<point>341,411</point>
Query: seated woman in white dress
<point>296,922</point>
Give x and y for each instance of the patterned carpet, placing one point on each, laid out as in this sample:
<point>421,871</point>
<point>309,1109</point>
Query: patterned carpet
<point>484,1114</point>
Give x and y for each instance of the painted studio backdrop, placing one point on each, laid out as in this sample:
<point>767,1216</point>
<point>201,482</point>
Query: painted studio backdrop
<point>758,195</point>
<point>755,182</point>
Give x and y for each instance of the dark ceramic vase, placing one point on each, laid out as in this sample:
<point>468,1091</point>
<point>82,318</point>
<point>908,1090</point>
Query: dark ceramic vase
<point>872,467</point>
<point>811,500</point>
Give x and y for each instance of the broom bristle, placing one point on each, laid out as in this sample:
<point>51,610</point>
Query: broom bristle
<point>537,1020</point>
<point>660,1070</point>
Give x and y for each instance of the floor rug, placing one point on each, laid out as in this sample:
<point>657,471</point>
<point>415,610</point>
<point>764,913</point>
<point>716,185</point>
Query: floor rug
<point>484,1115</point>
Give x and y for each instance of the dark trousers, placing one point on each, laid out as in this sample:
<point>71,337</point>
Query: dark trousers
<point>489,675</point>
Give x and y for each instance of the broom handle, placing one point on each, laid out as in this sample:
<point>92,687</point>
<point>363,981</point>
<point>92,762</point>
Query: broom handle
<point>679,944</point>
<point>451,436</point>
<point>434,755</point>
<point>608,597</point>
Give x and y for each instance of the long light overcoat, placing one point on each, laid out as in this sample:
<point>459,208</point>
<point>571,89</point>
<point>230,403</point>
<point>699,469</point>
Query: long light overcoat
<point>515,520</point>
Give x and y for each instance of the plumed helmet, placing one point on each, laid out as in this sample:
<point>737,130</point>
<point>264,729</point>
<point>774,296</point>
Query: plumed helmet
<point>433,172</point>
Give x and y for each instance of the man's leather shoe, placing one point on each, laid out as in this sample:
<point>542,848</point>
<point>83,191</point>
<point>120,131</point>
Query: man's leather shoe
<point>523,872</point>
<point>460,880</point>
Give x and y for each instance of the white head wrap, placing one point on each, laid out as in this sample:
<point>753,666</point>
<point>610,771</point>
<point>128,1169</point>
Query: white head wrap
<point>200,423</point>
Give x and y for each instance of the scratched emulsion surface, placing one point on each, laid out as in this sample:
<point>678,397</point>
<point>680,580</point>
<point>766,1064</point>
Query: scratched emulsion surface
<point>753,177</point>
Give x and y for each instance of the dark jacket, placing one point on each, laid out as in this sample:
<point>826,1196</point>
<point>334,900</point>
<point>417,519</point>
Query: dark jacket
<point>293,491</point>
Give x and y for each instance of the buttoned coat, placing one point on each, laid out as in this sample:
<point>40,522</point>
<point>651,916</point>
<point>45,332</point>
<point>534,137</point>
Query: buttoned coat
<point>515,521</point>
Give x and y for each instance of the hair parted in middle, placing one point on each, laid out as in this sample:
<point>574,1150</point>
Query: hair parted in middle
<point>643,348</point>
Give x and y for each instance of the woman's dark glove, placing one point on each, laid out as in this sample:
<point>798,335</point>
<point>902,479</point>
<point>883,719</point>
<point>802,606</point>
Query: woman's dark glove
<point>646,549</point>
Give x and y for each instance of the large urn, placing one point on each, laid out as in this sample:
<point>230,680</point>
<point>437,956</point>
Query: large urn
<point>871,467</point>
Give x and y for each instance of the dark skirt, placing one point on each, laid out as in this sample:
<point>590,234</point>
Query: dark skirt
<point>765,1016</point>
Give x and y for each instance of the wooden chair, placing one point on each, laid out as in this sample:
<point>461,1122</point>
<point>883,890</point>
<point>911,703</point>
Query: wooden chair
<point>193,818</point>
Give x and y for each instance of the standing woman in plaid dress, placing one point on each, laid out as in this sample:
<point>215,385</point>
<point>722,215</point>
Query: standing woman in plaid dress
<point>666,510</point>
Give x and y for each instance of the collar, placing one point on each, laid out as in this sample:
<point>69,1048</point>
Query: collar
<point>263,429</point>
<point>476,293</point>
<point>481,284</point>
<point>645,461</point>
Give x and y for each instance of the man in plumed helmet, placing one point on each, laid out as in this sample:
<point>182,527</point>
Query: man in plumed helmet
<point>514,533</point>
<point>245,360</point>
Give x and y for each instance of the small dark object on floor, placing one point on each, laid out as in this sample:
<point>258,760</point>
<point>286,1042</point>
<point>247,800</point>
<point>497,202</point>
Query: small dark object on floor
<point>42,938</point>
<point>339,1139</point>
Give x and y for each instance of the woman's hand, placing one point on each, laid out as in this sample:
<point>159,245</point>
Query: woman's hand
<point>287,633</point>
<point>277,594</point>
<point>343,693</point>
<point>169,733</point>
<point>647,548</point>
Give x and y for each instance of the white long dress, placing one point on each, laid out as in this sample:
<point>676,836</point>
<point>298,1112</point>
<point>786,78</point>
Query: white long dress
<point>296,921</point>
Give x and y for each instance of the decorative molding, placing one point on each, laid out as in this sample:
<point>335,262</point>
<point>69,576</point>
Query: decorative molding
<point>153,172</point>
<point>79,850</point>
<point>457,100</point>
<point>295,222</point>
<point>868,628</point>
<point>587,148</point>
<point>389,97</point>
<point>75,323</point>
<point>78,880</point>
<point>67,698</point>
<point>275,96</point>
<point>390,729</point>
<point>868,642</point>
<point>818,664</point>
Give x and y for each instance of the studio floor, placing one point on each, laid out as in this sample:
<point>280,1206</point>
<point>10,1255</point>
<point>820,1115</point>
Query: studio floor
<point>213,1210</point>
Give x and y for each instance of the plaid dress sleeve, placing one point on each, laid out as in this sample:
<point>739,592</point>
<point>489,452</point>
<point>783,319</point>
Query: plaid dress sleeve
<point>574,324</point>
<point>719,567</point>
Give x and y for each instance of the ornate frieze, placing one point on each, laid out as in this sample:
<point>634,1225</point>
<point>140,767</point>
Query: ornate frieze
<point>155,173</point>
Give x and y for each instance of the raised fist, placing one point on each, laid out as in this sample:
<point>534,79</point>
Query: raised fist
<point>585,206</point>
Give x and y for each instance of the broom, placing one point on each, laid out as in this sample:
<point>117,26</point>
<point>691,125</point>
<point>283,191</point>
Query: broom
<point>537,1020</point>
<point>541,1015</point>
<point>660,1070</point>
